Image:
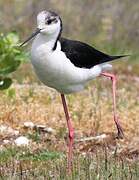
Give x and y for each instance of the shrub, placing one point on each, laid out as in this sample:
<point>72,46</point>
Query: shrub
<point>11,56</point>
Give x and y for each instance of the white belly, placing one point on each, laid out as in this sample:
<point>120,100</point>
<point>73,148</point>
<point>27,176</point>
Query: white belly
<point>56,71</point>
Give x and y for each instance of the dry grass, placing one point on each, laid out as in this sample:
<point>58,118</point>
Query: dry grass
<point>91,112</point>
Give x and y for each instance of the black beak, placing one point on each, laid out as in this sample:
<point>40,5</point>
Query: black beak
<point>33,35</point>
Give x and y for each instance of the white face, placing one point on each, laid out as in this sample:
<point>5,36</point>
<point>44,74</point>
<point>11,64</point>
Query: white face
<point>48,22</point>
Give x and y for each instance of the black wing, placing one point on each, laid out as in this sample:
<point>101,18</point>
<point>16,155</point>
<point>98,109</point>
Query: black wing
<point>83,55</point>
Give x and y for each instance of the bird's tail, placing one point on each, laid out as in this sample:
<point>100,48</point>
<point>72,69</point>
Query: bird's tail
<point>112,58</point>
<point>106,66</point>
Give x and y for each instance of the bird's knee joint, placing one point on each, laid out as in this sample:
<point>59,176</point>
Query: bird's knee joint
<point>71,134</point>
<point>113,78</point>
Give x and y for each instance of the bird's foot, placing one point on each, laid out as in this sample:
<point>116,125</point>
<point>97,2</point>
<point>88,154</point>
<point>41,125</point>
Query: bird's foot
<point>120,134</point>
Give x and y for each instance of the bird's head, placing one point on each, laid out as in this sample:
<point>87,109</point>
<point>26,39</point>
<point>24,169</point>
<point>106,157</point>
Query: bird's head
<point>48,23</point>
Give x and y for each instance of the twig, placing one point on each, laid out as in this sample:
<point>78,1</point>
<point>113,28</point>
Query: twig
<point>100,137</point>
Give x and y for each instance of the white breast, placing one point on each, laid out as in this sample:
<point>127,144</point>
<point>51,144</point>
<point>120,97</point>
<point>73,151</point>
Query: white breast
<point>55,70</point>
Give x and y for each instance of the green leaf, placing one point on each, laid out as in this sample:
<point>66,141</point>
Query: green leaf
<point>11,93</point>
<point>9,68</point>
<point>13,38</point>
<point>11,56</point>
<point>5,83</point>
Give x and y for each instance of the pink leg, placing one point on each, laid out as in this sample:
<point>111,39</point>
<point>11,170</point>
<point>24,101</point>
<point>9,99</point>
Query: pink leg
<point>116,119</point>
<point>71,132</point>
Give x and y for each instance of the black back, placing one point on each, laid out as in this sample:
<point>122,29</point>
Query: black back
<point>83,55</point>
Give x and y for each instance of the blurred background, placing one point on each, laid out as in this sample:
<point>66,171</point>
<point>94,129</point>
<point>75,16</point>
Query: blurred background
<point>110,25</point>
<point>112,22</point>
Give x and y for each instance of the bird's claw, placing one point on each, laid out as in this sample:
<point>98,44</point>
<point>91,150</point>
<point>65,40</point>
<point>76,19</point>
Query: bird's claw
<point>120,134</point>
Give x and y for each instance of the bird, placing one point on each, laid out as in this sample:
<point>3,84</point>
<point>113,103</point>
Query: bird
<point>68,65</point>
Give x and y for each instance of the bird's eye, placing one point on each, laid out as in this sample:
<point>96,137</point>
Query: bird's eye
<point>49,21</point>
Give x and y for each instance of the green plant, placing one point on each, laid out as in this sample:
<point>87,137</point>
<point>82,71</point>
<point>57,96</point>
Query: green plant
<point>35,136</point>
<point>43,155</point>
<point>11,55</point>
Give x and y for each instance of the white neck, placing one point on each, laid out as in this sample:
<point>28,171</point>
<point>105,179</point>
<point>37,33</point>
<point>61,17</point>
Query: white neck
<point>48,40</point>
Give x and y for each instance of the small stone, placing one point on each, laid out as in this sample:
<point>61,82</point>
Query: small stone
<point>8,130</point>
<point>29,124</point>
<point>3,128</point>
<point>49,130</point>
<point>45,129</point>
<point>22,141</point>
<point>16,132</point>
<point>6,141</point>
<point>41,127</point>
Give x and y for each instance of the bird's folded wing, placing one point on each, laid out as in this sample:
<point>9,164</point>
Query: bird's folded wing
<point>83,55</point>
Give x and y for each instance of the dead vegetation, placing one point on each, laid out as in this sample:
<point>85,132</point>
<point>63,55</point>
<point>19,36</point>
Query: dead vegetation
<point>97,152</point>
<point>104,25</point>
<point>91,110</point>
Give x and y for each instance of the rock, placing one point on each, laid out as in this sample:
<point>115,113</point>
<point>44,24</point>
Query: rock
<point>6,141</point>
<point>3,128</point>
<point>40,127</point>
<point>16,132</point>
<point>49,130</point>
<point>45,129</point>
<point>29,124</point>
<point>7,130</point>
<point>93,138</point>
<point>22,141</point>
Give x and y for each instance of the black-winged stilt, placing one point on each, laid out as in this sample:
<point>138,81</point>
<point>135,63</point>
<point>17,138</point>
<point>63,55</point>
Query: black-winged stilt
<point>67,65</point>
